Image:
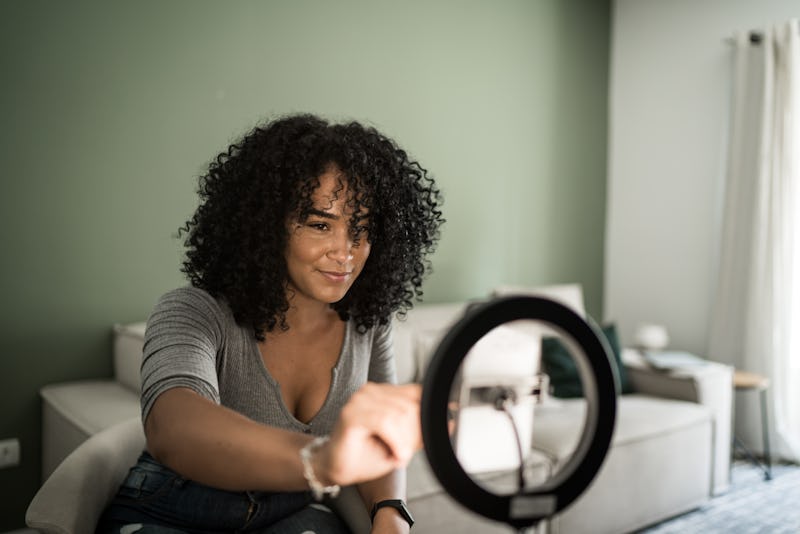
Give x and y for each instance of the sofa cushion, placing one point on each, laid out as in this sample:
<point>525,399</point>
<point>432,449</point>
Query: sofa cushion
<point>417,335</point>
<point>436,511</point>
<point>422,482</point>
<point>558,423</point>
<point>659,464</point>
<point>610,331</point>
<point>570,295</point>
<point>128,346</point>
<point>562,369</point>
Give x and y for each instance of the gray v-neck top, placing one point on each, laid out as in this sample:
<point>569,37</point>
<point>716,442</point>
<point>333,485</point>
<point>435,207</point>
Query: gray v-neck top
<point>193,341</point>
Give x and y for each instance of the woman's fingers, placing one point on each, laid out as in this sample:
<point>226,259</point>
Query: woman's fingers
<point>394,416</point>
<point>378,431</point>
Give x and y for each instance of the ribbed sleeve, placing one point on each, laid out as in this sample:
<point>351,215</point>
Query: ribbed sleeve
<point>180,346</point>
<point>381,363</point>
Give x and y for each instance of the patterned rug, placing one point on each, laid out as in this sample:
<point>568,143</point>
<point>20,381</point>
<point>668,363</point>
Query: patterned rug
<point>751,505</point>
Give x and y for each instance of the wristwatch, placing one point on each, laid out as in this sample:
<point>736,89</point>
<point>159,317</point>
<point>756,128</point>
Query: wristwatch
<point>397,504</point>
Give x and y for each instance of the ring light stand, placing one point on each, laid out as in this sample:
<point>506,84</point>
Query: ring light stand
<point>528,506</point>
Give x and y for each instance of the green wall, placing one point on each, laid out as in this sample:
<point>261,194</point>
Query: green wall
<point>111,110</point>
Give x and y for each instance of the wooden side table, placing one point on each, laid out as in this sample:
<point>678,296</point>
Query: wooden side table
<point>744,381</point>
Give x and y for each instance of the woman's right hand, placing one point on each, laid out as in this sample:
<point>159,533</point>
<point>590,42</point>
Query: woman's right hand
<point>378,431</point>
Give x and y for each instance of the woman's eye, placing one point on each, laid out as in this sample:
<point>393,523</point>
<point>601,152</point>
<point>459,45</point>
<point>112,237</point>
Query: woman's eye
<point>318,226</point>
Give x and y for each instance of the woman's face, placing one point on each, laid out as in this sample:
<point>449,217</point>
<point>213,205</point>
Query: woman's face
<point>325,253</point>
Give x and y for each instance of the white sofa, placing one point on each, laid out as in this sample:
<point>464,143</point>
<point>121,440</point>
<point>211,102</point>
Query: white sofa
<point>669,454</point>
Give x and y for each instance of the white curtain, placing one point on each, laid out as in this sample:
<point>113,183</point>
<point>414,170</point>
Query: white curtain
<point>755,316</point>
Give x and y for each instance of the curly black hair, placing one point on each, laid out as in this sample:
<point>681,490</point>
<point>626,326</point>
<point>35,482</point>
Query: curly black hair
<point>237,237</point>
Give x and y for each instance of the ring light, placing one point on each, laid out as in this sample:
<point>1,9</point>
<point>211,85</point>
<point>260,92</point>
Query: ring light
<point>528,506</point>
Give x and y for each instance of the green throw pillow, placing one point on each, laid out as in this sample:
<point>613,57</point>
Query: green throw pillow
<point>563,372</point>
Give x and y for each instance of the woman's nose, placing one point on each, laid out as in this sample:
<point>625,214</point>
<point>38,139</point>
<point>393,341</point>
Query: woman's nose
<point>341,248</point>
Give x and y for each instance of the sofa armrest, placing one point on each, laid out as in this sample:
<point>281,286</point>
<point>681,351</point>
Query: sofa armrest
<point>73,497</point>
<point>709,384</point>
<point>698,384</point>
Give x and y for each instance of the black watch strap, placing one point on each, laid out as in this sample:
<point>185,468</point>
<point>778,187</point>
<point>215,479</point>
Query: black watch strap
<point>397,504</point>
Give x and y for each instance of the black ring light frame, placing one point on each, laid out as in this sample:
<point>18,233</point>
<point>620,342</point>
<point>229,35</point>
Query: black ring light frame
<point>600,389</point>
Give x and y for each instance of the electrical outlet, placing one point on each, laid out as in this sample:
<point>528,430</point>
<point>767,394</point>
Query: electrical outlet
<point>9,452</point>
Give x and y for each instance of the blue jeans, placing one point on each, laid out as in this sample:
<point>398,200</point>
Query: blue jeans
<point>153,499</point>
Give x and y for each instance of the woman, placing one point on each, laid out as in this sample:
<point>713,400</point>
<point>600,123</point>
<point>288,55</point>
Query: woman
<point>266,384</point>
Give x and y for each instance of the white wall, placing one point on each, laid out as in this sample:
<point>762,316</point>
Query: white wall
<point>668,109</point>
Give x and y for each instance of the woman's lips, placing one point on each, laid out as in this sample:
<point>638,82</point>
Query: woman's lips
<point>335,276</point>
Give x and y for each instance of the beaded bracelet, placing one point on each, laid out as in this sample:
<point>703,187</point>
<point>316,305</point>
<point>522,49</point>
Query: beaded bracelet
<point>318,490</point>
